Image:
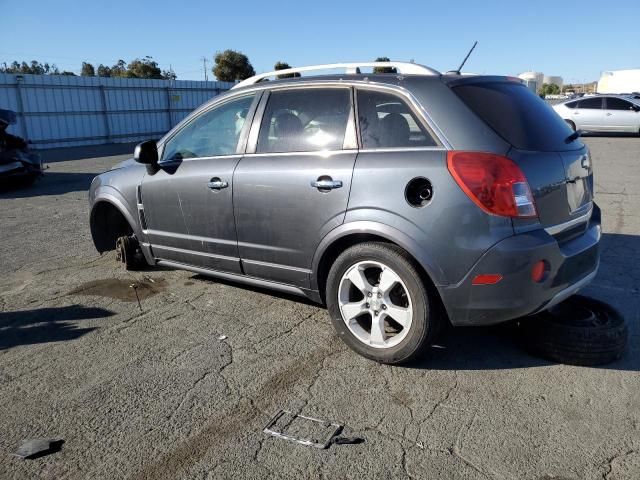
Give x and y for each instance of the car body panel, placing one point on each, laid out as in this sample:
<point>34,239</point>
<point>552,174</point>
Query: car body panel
<point>560,184</point>
<point>617,120</point>
<point>280,217</point>
<point>571,263</point>
<point>187,221</point>
<point>441,226</point>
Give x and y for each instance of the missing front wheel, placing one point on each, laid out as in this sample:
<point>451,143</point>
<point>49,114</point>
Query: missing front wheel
<point>128,252</point>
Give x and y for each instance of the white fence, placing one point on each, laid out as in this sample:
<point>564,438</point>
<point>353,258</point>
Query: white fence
<point>61,111</point>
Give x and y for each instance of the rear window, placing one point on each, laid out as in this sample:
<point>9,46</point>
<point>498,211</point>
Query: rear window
<point>518,115</point>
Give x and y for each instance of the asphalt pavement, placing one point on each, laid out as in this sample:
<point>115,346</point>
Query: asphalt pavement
<point>165,374</point>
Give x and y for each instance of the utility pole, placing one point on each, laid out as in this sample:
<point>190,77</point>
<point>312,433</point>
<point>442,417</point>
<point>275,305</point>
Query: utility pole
<point>204,66</point>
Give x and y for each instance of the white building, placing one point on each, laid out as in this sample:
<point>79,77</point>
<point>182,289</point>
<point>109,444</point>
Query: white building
<point>619,81</point>
<point>537,77</point>
<point>553,80</point>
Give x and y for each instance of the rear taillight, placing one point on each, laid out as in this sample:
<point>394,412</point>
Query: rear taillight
<point>495,183</point>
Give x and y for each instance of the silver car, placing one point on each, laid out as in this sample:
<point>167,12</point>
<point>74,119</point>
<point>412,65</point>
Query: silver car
<point>602,113</point>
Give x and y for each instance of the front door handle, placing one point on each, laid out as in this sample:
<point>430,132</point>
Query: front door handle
<point>326,184</point>
<point>609,114</point>
<point>217,184</point>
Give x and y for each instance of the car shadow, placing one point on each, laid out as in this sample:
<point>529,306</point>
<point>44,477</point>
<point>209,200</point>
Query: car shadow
<point>44,325</point>
<point>502,346</point>
<point>610,134</point>
<point>51,183</point>
<point>498,348</point>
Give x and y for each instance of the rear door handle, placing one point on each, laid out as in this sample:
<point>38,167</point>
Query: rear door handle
<point>609,114</point>
<point>217,184</point>
<point>326,184</point>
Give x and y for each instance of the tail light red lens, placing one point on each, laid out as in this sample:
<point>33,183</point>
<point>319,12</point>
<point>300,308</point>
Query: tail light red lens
<point>495,183</point>
<point>539,271</point>
<point>486,279</point>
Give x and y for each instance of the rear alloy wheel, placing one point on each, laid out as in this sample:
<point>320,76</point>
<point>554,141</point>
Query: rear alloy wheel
<point>571,124</point>
<point>578,331</point>
<point>379,304</point>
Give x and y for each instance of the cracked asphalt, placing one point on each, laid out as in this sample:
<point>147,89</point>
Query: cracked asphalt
<point>143,384</point>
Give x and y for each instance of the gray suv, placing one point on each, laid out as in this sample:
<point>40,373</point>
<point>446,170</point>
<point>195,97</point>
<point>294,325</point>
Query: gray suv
<point>400,200</point>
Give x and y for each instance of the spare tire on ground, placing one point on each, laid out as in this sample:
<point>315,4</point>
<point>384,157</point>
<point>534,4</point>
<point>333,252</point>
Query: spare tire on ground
<point>579,331</point>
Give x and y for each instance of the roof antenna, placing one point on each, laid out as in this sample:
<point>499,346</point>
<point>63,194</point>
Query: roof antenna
<point>465,59</point>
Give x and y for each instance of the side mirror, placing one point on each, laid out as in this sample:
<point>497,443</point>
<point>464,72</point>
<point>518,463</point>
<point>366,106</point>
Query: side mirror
<point>635,108</point>
<point>146,152</point>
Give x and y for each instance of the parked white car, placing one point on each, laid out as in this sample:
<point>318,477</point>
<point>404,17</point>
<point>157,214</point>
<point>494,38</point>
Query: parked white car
<point>602,113</point>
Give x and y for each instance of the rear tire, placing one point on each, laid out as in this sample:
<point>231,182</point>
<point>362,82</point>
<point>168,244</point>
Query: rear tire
<point>578,331</point>
<point>571,124</point>
<point>387,314</point>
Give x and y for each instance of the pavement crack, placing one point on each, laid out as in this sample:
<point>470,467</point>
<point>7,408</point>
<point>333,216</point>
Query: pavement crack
<point>188,392</point>
<point>456,451</point>
<point>609,463</point>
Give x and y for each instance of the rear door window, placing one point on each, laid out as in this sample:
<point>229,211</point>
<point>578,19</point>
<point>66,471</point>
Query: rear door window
<point>304,120</point>
<point>592,103</point>
<point>516,114</point>
<point>618,104</point>
<point>386,121</point>
<point>571,104</point>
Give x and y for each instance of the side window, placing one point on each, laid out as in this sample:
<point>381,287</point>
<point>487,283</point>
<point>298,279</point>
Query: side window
<point>387,121</point>
<point>571,104</point>
<point>591,103</point>
<point>304,120</point>
<point>214,132</point>
<point>618,104</point>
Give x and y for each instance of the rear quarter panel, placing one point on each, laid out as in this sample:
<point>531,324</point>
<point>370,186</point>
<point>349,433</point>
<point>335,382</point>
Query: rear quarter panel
<point>448,235</point>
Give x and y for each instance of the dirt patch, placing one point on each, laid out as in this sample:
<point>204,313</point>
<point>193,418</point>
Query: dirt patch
<point>124,290</point>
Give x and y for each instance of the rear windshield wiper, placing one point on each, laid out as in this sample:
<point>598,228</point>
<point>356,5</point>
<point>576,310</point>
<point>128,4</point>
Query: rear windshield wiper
<point>573,136</point>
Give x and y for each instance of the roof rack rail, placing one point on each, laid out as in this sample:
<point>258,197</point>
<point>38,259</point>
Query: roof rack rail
<point>404,68</point>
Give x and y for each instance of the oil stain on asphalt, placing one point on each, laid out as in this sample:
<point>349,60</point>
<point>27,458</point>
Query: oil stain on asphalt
<point>120,289</point>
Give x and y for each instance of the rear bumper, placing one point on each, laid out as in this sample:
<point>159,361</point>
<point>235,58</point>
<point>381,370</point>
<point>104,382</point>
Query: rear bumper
<point>573,265</point>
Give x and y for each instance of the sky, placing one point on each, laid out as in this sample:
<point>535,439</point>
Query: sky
<point>576,40</point>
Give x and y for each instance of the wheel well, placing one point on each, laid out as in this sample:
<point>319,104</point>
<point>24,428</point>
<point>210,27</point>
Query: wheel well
<point>340,245</point>
<point>107,224</point>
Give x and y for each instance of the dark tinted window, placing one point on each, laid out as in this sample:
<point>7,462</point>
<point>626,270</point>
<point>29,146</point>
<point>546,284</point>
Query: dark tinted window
<point>214,132</point>
<point>590,103</point>
<point>571,104</point>
<point>518,115</point>
<point>306,120</point>
<point>387,121</point>
<point>618,104</point>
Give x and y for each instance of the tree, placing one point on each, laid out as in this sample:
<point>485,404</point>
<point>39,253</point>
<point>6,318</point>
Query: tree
<point>34,68</point>
<point>119,69</point>
<point>549,89</point>
<point>284,66</point>
<point>169,74</point>
<point>104,71</point>
<point>87,70</point>
<point>384,69</point>
<point>146,67</point>
<point>231,66</point>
